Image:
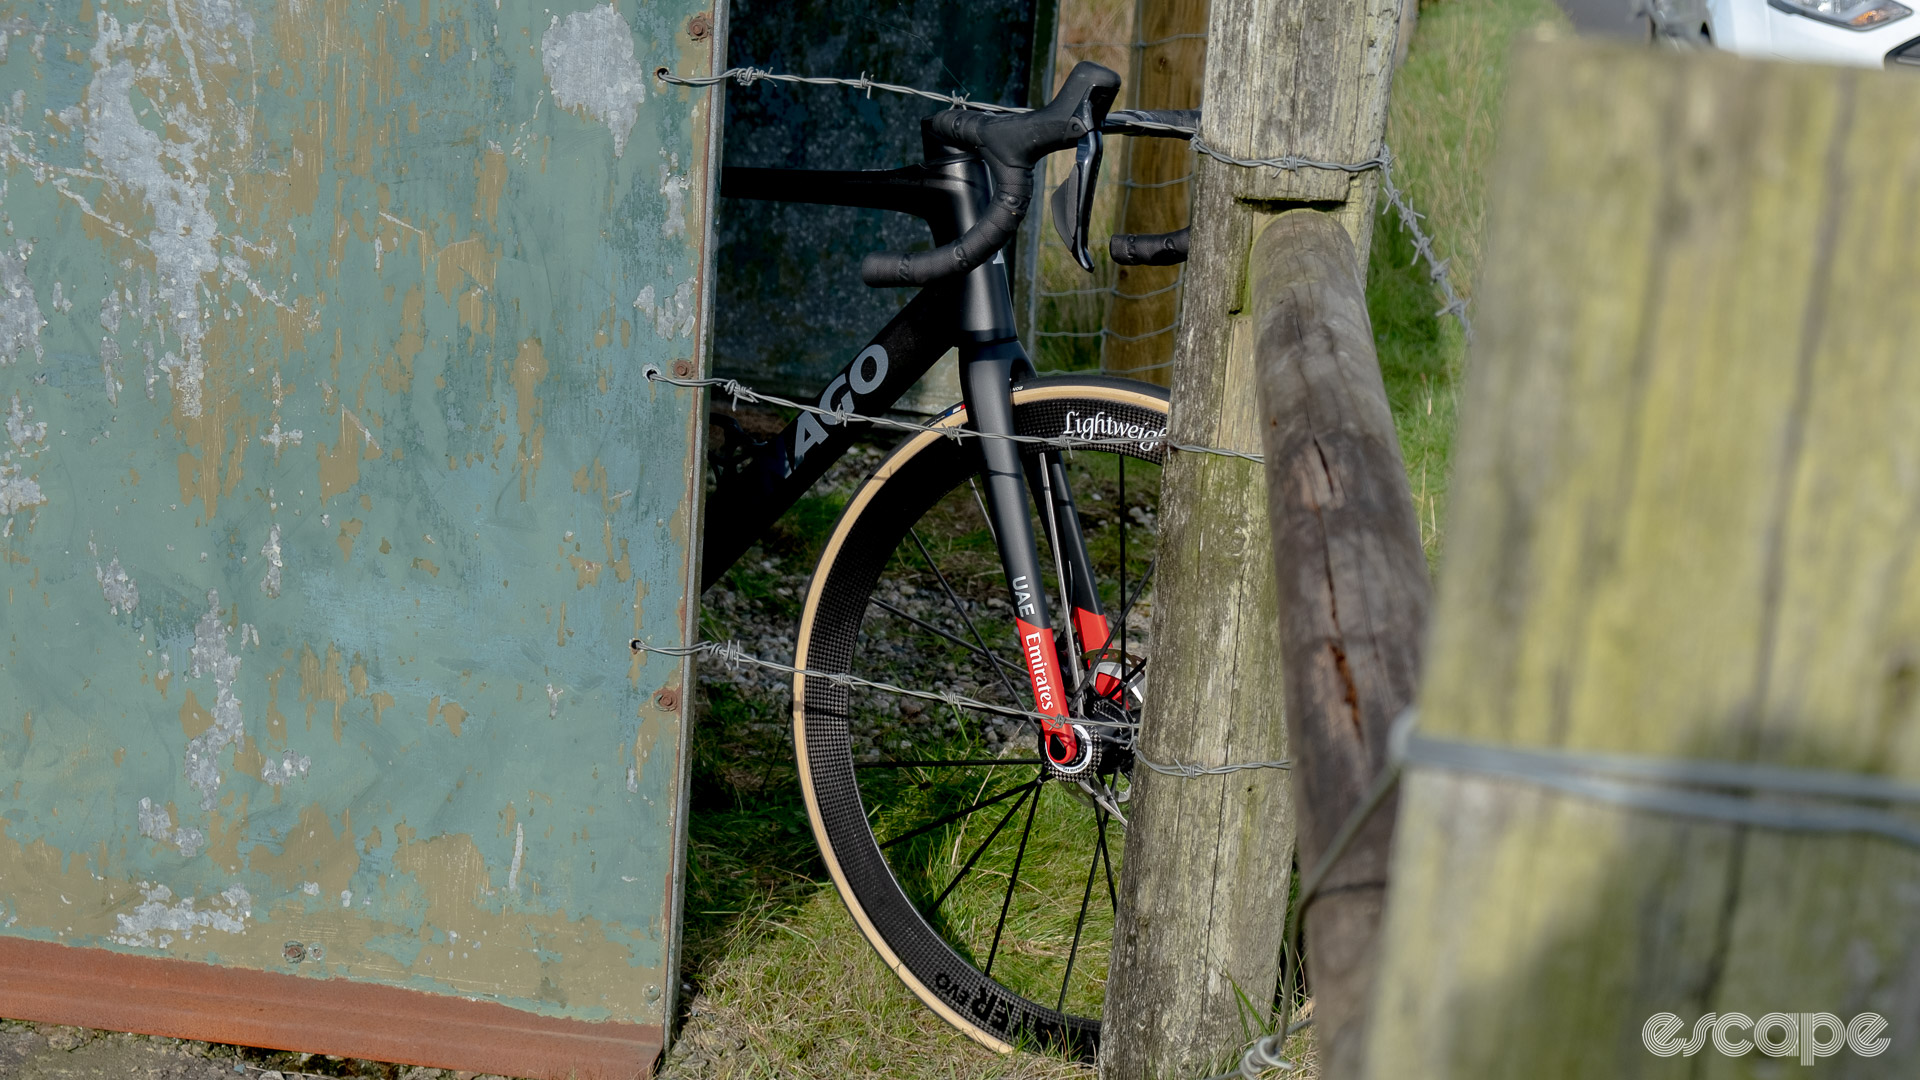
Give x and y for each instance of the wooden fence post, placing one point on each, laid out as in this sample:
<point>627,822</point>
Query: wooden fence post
<point>1685,525</point>
<point>1204,884</point>
<point>1352,580</point>
<point>1169,63</point>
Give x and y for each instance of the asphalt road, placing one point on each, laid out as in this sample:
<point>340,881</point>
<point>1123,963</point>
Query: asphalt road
<point>1609,17</point>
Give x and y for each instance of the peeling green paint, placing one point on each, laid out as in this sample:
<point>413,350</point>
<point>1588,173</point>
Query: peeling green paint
<point>330,486</point>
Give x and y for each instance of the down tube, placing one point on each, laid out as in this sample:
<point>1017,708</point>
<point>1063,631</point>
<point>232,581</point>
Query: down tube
<point>748,499</point>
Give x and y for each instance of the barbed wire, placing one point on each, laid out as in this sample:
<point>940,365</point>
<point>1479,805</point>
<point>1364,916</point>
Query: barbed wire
<point>1114,290</point>
<point>1383,161</point>
<point>733,655</point>
<point>739,393</point>
<point>747,76</point>
<point>1142,185</point>
<point>1178,768</point>
<point>1106,332</point>
<point>1423,249</point>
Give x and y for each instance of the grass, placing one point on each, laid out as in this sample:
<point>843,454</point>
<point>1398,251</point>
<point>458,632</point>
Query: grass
<point>1441,125</point>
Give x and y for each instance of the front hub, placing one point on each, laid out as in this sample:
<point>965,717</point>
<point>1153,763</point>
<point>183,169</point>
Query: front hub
<point>1077,756</point>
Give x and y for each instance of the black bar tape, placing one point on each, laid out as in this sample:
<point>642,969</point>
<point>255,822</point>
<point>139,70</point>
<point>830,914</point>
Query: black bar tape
<point>1149,249</point>
<point>1010,143</point>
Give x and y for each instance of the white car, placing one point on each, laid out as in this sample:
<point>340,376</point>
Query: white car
<point>1863,33</point>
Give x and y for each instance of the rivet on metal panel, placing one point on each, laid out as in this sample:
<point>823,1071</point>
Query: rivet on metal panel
<point>682,369</point>
<point>668,698</point>
<point>699,27</point>
<point>316,951</point>
<point>653,992</point>
<point>294,952</point>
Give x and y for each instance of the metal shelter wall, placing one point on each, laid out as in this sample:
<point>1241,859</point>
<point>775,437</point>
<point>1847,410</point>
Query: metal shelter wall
<point>791,308</point>
<point>331,491</point>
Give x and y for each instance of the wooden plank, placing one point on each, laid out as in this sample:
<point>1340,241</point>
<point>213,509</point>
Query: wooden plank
<point>1352,586</point>
<point>1686,524</point>
<point>91,987</point>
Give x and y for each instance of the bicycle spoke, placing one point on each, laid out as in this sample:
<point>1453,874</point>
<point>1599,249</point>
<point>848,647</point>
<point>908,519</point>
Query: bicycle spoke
<point>1013,695</point>
<point>1076,662</point>
<point>1146,579</point>
<point>1106,859</point>
<point>1126,676</point>
<point>988,762</point>
<point>957,814</point>
<point>1123,560</point>
<point>1086,897</point>
<point>984,516</point>
<point>1013,880</point>
<point>957,640</point>
<point>977,852</point>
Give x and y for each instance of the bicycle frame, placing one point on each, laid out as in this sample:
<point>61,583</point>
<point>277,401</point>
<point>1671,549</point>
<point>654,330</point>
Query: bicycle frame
<point>973,314</point>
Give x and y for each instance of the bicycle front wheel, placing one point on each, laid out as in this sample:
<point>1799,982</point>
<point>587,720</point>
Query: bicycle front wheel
<point>986,883</point>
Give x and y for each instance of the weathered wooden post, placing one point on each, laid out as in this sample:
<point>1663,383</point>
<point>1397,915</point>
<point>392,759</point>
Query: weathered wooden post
<point>1352,580</point>
<point>1685,528</point>
<point>1169,63</point>
<point>1204,886</point>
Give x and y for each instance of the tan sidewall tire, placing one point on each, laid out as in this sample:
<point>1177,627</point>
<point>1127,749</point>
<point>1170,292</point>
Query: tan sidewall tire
<point>1033,393</point>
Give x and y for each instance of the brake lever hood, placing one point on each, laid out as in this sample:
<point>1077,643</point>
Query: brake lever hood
<point>1073,199</point>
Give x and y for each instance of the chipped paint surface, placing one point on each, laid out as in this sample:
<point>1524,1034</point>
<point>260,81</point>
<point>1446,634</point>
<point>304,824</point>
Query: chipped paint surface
<point>155,922</point>
<point>20,319</point>
<point>318,331</point>
<point>588,57</point>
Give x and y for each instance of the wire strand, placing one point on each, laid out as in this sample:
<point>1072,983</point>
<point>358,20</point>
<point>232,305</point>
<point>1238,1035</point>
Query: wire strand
<point>1409,219</point>
<point>1131,44</point>
<point>1147,442</point>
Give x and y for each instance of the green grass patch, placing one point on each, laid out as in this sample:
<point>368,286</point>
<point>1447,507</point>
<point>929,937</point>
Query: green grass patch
<point>1441,126</point>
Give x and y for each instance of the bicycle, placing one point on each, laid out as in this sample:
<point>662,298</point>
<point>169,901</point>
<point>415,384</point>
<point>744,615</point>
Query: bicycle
<point>912,571</point>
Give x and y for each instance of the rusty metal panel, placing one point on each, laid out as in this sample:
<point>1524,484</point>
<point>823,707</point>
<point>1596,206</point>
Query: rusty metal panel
<point>331,489</point>
<point>791,307</point>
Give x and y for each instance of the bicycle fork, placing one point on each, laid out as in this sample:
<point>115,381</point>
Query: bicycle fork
<point>987,377</point>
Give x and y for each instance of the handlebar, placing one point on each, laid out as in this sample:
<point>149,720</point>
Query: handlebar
<point>1010,144</point>
<point>1148,249</point>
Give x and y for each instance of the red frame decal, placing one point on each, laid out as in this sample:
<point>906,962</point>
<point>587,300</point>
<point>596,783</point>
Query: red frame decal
<point>1049,692</point>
